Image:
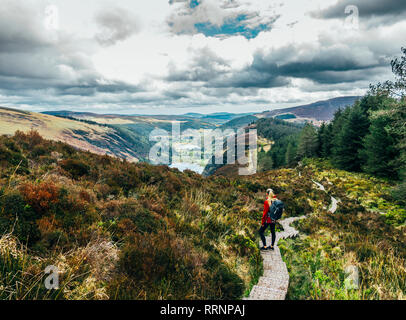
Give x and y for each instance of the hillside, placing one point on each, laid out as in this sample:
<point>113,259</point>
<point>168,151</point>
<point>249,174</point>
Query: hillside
<point>118,230</point>
<point>366,234</point>
<point>316,112</point>
<point>141,124</point>
<point>136,129</point>
<point>219,118</point>
<point>273,139</point>
<point>239,122</point>
<point>85,136</point>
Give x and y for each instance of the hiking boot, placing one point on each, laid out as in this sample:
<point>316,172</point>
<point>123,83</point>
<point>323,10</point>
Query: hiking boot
<point>271,248</point>
<point>263,248</point>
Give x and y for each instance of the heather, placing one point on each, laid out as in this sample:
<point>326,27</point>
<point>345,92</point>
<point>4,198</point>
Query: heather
<point>118,230</point>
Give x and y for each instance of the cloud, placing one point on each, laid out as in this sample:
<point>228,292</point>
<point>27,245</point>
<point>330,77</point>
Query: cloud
<point>37,64</point>
<point>319,63</point>
<point>115,25</point>
<point>220,18</point>
<point>213,71</point>
<point>377,11</point>
<point>339,61</point>
<point>323,64</point>
<point>225,55</point>
<point>204,66</point>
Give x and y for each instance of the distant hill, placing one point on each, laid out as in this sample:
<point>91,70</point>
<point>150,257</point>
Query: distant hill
<point>318,111</point>
<point>219,118</point>
<point>99,139</point>
<point>147,122</point>
<point>272,131</point>
<point>240,122</point>
<point>127,136</point>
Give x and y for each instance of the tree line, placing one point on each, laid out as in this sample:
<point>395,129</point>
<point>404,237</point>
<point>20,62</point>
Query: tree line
<point>369,136</point>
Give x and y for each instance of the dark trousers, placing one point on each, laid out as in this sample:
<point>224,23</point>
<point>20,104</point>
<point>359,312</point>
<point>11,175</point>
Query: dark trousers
<point>262,231</point>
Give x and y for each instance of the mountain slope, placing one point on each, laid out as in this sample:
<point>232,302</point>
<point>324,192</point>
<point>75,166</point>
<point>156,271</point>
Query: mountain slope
<point>239,122</point>
<point>147,122</point>
<point>318,111</point>
<point>219,118</point>
<point>100,222</point>
<point>85,136</point>
<point>123,230</point>
<point>271,133</point>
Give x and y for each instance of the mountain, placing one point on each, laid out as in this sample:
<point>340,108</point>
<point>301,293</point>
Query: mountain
<point>141,124</point>
<point>239,122</point>
<point>93,137</point>
<point>121,230</point>
<point>272,134</point>
<point>317,112</point>
<point>127,136</point>
<point>137,129</point>
<point>219,118</point>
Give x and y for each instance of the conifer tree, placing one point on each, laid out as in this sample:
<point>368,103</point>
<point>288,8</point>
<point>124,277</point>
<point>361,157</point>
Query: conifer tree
<point>320,136</point>
<point>325,139</point>
<point>265,161</point>
<point>290,154</point>
<point>308,142</point>
<point>348,141</point>
<point>380,153</point>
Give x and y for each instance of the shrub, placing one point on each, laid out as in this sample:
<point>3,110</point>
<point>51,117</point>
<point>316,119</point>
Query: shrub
<point>14,158</point>
<point>157,261</point>
<point>41,197</point>
<point>141,219</point>
<point>396,216</point>
<point>39,150</point>
<point>226,284</point>
<point>75,168</point>
<point>28,140</point>
<point>399,193</point>
<point>242,245</point>
<point>18,217</point>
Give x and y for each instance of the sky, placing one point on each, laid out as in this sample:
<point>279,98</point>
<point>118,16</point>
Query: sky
<point>179,56</point>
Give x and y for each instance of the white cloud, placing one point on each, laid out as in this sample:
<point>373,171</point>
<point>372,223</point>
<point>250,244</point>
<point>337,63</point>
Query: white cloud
<point>116,24</point>
<point>145,64</point>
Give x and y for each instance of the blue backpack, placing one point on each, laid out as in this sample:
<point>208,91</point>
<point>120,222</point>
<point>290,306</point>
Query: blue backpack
<point>276,210</point>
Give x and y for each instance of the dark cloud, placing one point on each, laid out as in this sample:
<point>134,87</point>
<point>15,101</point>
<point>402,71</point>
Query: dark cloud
<point>323,64</point>
<point>205,66</point>
<point>366,8</point>
<point>47,68</point>
<point>20,28</point>
<point>250,78</point>
<point>115,25</point>
<point>40,65</point>
<point>215,72</point>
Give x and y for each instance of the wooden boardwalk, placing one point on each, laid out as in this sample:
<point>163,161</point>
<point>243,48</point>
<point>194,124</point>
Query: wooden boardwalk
<point>274,283</point>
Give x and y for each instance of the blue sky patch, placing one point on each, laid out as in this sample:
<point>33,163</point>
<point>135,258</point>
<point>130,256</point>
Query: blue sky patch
<point>231,27</point>
<point>194,3</point>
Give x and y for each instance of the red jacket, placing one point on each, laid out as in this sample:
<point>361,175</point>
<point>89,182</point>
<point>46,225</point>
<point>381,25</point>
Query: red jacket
<point>265,218</point>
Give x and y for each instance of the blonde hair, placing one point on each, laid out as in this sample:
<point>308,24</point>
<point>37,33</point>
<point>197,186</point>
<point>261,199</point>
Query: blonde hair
<point>270,195</point>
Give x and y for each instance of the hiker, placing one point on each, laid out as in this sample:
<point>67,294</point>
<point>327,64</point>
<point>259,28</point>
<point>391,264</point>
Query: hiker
<point>273,209</point>
<point>267,221</point>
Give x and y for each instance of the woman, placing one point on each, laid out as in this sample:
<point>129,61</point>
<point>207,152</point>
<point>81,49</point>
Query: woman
<point>267,221</point>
